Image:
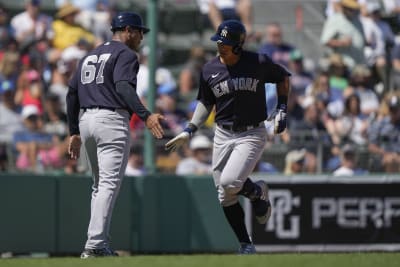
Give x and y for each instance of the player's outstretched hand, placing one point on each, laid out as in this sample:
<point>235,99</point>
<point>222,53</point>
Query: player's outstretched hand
<point>74,146</point>
<point>280,121</point>
<point>153,124</point>
<point>177,141</point>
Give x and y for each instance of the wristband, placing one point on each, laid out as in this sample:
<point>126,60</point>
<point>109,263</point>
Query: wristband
<point>190,128</point>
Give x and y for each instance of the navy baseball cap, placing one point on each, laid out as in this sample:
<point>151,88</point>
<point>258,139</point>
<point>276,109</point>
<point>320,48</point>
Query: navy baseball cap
<point>230,32</point>
<point>132,19</point>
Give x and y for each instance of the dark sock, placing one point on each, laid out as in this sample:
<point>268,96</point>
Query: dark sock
<point>235,216</point>
<point>250,190</point>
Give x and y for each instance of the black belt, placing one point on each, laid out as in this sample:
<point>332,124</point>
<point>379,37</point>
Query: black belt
<point>239,128</point>
<point>100,107</point>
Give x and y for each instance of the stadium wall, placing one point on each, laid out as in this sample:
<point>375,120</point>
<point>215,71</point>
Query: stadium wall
<point>171,214</point>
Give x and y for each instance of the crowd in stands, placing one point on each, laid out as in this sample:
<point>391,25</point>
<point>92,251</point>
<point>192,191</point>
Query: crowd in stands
<point>344,111</point>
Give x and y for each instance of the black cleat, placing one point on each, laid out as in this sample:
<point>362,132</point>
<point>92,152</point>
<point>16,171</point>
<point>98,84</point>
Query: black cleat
<point>262,206</point>
<point>101,252</point>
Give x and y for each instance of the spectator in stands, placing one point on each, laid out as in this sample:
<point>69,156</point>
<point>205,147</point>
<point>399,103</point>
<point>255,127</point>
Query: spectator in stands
<point>9,64</point>
<point>94,16</point>
<point>189,76</point>
<point>36,149</point>
<point>163,75</point>
<point>342,33</point>
<point>5,28</point>
<point>301,78</point>
<point>54,118</point>
<point>360,84</point>
<point>216,11</point>
<point>30,90</point>
<point>275,46</point>
<point>166,104</point>
<point>66,31</point>
<point>310,133</point>
<point>384,136</point>
<point>31,25</point>
<point>10,121</point>
<point>348,162</point>
<point>380,39</point>
<point>135,165</point>
<point>295,162</point>
<point>199,160</point>
<point>352,126</point>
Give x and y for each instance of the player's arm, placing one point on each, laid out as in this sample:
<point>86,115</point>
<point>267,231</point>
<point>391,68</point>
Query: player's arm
<point>199,117</point>
<point>127,91</point>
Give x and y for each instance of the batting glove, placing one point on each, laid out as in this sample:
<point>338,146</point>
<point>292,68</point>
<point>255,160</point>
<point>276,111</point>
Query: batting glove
<point>177,141</point>
<point>280,120</point>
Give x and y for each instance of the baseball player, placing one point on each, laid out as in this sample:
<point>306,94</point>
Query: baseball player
<point>103,89</point>
<point>233,82</point>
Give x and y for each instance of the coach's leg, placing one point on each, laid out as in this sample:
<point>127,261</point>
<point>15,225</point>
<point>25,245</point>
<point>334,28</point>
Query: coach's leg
<point>112,134</point>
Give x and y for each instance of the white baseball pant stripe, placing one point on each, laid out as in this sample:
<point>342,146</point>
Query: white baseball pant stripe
<point>235,156</point>
<point>105,135</point>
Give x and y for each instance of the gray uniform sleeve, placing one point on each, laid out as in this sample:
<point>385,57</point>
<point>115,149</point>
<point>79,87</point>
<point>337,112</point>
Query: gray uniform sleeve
<point>201,114</point>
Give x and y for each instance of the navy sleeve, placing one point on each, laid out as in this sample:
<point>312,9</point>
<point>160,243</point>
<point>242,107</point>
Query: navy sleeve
<point>126,67</point>
<point>73,108</point>
<point>275,73</point>
<point>129,96</point>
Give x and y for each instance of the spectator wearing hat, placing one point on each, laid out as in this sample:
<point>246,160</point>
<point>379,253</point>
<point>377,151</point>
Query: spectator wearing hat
<point>66,31</point>
<point>384,138</point>
<point>295,162</point>
<point>31,25</point>
<point>343,33</point>
<point>199,160</point>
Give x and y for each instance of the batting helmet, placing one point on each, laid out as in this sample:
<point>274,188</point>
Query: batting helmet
<point>132,19</point>
<point>231,32</point>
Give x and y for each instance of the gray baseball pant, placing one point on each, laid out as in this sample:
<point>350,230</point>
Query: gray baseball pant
<point>235,156</point>
<point>105,135</point>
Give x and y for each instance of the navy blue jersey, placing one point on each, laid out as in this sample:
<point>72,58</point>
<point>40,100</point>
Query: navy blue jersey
<point>238,91</point>
<point>99,71</point>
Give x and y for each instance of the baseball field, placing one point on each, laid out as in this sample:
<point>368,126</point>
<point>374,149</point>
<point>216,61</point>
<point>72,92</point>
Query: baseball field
<point>204,260</point>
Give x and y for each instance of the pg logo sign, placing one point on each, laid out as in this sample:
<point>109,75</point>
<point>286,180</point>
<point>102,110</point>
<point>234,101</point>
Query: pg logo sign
<point>282,221</point>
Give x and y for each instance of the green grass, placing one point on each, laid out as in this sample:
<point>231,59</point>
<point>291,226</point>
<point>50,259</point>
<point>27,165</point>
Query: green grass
<point>270,260</point>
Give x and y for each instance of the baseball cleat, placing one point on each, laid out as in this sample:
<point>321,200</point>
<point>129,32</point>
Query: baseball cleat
<point>101,252</point>
<point>247,248</point>
<point>262,206</point>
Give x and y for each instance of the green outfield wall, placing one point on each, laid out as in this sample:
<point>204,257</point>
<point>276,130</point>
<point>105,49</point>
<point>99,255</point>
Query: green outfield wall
<point>153,214</point>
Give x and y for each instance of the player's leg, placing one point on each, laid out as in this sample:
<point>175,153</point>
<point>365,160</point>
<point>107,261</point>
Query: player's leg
<point>235,156</point>
<point>232,209</point>
<point>112,135</point>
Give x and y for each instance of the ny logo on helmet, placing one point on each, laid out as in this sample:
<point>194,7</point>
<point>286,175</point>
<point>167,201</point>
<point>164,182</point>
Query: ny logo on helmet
<point>224,33</point>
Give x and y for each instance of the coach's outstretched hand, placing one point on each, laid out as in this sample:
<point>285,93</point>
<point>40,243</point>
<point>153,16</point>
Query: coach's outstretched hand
<point>280,121</point>
<point>177,141</point>
<point>153,124</point>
